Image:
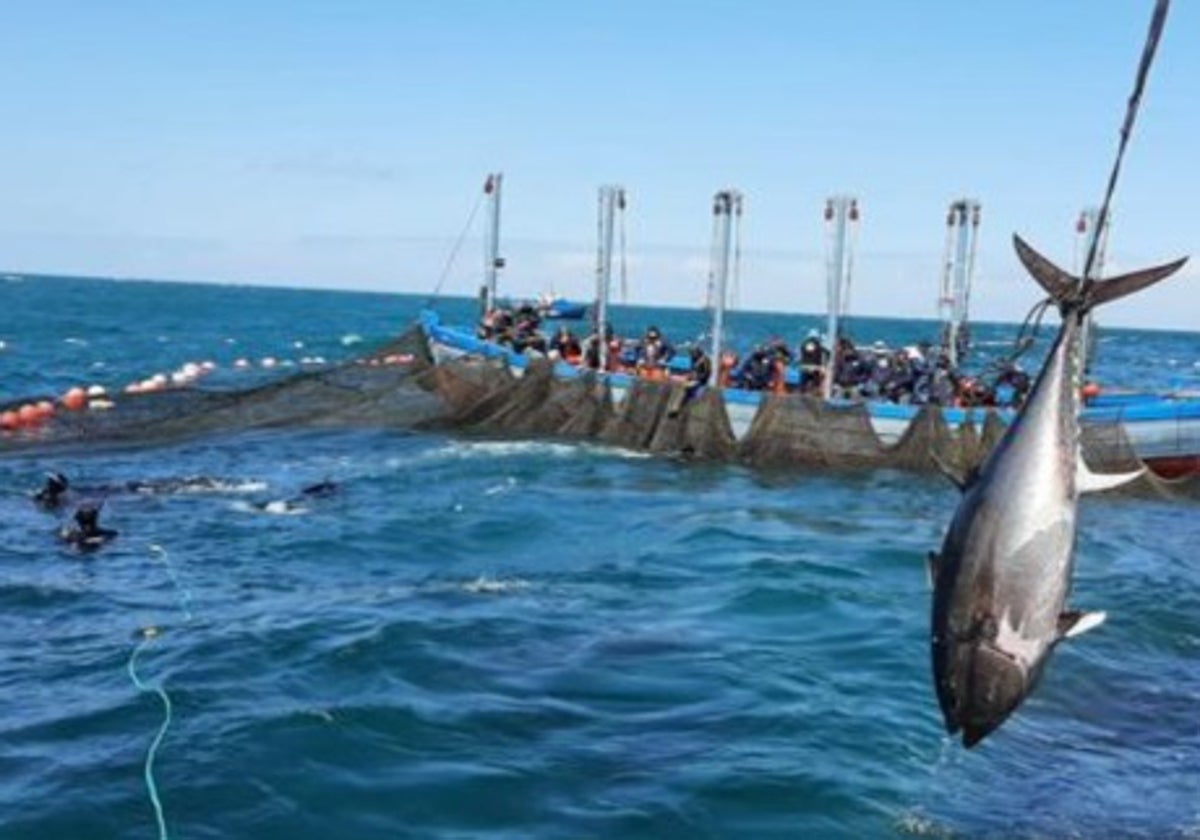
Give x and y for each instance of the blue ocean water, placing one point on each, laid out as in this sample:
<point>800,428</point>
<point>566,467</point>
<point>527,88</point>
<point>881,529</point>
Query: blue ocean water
<point>531,639</point>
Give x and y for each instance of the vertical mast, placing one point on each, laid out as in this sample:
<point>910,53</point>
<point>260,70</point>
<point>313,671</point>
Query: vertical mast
<point>621,247</point>
<point>1087,230</point>
<point>727,214</point>
<point>962,238</point>
<point>492,261</point>
<point>610,199</point>
<point>841,219</point>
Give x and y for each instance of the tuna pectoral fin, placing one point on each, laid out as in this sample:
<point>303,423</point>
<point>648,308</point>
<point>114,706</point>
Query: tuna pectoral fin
<point>1073,623</point>
<point>1087,481</point>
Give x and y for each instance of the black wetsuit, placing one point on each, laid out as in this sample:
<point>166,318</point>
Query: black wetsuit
<point>320,490</point>
<point>52,493</point>
<point>87,535</point>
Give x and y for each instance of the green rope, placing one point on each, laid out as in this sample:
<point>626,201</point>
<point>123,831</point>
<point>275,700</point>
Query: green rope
<point>181,591</point>
<point>149,634</point>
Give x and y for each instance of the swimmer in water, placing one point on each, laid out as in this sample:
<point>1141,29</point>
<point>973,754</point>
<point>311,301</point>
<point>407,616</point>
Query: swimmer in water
<point>51,495</point>
<point>321,490</point>
<point>87,534</point>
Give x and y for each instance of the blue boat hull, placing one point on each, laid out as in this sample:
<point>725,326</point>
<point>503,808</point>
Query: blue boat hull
<point>1163,431</point>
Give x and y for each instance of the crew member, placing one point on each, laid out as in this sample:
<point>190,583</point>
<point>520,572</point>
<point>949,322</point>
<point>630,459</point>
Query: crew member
<point>813,357</point>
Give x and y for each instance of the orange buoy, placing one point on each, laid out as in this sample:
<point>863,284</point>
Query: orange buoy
<point>28,415</point>
<point>45,409</point>
<point>1090,390</point>
<point>9,421</point>
<point>75,399</point>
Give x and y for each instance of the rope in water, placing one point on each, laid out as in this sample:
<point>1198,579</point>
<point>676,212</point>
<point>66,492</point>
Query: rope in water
<point>149,634</point>
<point>181,591</point>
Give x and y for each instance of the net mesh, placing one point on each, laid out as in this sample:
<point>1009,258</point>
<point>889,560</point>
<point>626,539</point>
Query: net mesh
<point>481,396</point>
<point>363,392</point>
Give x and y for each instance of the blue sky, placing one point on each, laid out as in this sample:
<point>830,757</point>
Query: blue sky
<point>343,144</point>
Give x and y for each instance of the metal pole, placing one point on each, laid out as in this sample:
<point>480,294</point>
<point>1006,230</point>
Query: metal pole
<point>837,215</point>
<point>492,260</point>
<point>723,209</point>
<point>736,290</point>
<point>605,229</point>
<point>962,234</point>
<point>1089,230</point>
<point>959,280</point>
<point>976,215</point>
<point>624,271</point>
<point>944,297</point>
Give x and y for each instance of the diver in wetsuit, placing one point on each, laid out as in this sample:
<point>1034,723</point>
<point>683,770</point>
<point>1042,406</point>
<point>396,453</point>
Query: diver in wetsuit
<point>52,492</point>
<point>87,533</point>
<point>321,490</point>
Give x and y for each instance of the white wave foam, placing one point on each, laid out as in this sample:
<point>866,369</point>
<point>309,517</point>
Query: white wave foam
<point>242,486</point>
<point>459,450</point>
<point>484,585</point>
<point>509,483</point>
<point>277,507</point>
<point>509,449</point>
<point>916,824</point>
<point>201,484</point>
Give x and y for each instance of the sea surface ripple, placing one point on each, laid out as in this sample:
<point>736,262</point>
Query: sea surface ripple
<point>531,639</point>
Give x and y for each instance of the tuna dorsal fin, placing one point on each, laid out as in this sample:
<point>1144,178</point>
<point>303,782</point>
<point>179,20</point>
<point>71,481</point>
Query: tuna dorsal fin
<point>1072,623</point>
<point>1087,481</point>
<point>933,567</point>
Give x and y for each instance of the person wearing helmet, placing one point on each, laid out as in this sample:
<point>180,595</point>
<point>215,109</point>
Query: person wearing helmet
<point>87,534</point>
<point>52,492</point>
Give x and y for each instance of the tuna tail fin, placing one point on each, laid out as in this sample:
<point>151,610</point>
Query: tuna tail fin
<point>1102,291</point>
<point>1071,292</point>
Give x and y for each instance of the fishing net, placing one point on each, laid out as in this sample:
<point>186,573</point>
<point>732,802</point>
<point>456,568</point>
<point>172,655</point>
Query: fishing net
<point>588,404</point>
<point>696,428</point>
<point>798,431</point>
<point>637,416</point>
<point>1106,449</point>
<point>398,386</point>
<point>470,390</point>
<point>926,439</point>
<point>371,391</point>
<point>521,408</point>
